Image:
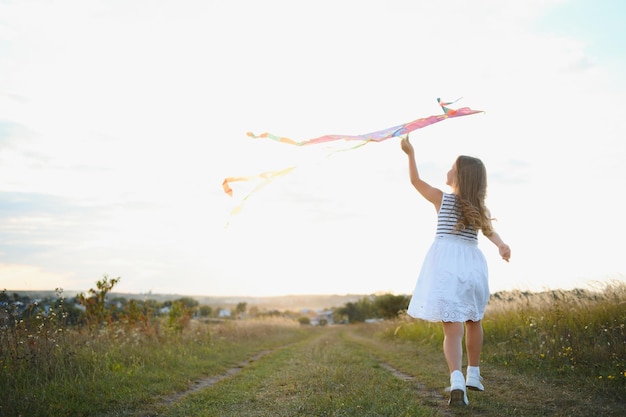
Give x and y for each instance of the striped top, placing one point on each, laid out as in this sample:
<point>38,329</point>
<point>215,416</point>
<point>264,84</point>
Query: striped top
<point>447,218</point>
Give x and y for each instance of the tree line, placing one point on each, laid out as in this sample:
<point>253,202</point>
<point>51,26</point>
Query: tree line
<point>97,307</point>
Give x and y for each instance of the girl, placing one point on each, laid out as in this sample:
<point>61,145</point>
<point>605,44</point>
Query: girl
<point>452,286</point>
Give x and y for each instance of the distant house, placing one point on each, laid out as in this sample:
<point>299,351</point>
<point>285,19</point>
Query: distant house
<point>223,312</point>
<point>319,317</point>
<point>325,317</point>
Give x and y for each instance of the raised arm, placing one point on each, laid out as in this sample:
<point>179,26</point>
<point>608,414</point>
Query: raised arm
<point>430,193</point>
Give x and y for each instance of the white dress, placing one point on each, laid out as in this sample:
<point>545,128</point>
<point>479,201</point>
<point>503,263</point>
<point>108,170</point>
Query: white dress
<point>453,282</point>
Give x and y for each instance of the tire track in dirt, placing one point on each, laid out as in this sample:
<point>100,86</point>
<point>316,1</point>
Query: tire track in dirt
<point>431,397</point>
<point>209,381</point>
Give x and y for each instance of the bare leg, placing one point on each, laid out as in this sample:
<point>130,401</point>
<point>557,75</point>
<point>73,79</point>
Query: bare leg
<point>452,344</point>
<point>474,342</point>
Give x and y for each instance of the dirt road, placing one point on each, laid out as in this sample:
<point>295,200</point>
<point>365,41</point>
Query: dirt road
<point>344,371</point>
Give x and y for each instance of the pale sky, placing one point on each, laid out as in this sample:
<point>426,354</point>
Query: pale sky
<point>119,121</point>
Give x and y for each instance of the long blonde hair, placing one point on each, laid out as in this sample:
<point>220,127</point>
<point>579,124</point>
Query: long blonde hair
<point>471,190</point>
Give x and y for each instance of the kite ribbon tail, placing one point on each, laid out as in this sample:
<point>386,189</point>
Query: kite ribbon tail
<point>280,139</point>
<point>267,178</point>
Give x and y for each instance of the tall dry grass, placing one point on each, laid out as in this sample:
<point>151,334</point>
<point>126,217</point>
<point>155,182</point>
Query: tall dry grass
<point>48,368</point>
<point>580,333</point>
<point>581,330</point>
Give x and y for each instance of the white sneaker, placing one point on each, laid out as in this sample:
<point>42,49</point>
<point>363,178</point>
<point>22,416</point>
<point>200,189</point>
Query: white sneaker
<point>458,394</point>
<point>474,382</point>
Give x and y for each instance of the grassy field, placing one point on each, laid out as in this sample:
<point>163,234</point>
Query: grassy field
<point>548,354</point>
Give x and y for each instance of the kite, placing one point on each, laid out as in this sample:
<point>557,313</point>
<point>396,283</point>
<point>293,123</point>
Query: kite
<point>378,136</point>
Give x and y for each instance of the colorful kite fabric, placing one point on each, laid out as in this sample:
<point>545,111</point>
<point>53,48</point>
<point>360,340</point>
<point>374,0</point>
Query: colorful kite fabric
<point>378,136</point>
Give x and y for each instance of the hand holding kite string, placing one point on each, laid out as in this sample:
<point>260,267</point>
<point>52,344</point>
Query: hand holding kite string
<point>378,136</point>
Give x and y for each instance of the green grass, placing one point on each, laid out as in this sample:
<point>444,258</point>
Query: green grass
<point>555,353</point>
<point>117,369</point>
<point>574,338</point>
<point>564,334</point>
<point>327,375</point>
